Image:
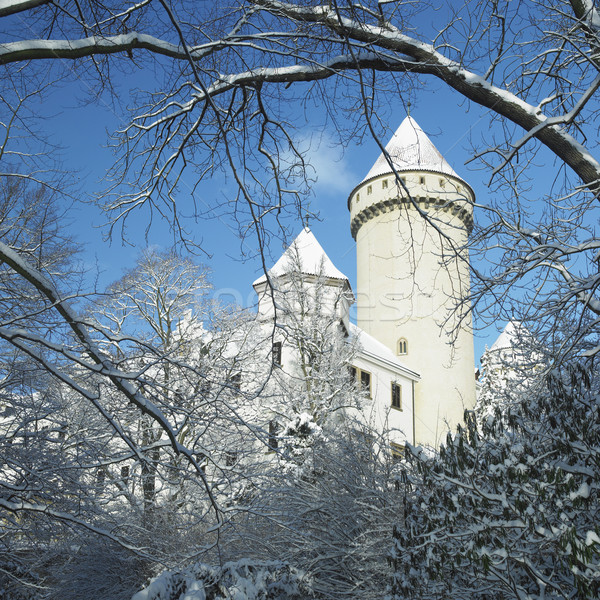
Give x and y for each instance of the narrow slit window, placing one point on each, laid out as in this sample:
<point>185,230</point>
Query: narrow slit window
<point>384,184</point>
<point>276,354</point>
<point>396,396</point>
<point>273,440</point>
<point>100,478</point>
<point>235,381</point>
<point>421,180</point>
<point>369,189</point>
<point>365,380</point>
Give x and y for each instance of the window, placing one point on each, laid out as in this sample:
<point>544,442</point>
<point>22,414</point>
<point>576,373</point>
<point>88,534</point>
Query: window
<point>369,189</point>
<point>363,376</point>
<point>402,346</point>
<point>365,380</point>
<point>364,445</point>
<point>100,478</point>
<point>276,354</point>
<point>202,460</point>
<point>397,451</point>
<point>231,457</point>
<point>384,184</point>
<point>421,180</point>
<point>273,439</point>
<point>357,197</point>
<point>235,381</point>
<point>125,472</point>
<point>442,183</point>
<point>204,388</point>
<point>396,396</point>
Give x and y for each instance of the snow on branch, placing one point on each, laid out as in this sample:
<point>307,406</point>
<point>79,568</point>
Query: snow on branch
<point>424,58</point>
<point>21,506</point>
<point>8,7</point>
<point>90,46</point>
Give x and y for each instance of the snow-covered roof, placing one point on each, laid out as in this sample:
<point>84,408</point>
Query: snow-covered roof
<point>374,349</point>
<point>306,253</point>
<point>410,149</point>
<point>511,336</point>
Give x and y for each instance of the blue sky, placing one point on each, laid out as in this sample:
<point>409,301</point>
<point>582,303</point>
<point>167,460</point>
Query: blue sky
<point>82,133</point>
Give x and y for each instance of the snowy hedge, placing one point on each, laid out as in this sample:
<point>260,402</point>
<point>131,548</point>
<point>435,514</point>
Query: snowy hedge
<point>510,508</point>
<point>240,580</point>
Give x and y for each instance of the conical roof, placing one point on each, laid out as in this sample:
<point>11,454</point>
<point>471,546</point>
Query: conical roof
<point>511,337</point>
<point>410,149</point>
<point>306,254</point>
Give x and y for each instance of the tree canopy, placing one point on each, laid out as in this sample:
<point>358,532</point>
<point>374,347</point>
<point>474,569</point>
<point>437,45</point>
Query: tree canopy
<point>227,88</point>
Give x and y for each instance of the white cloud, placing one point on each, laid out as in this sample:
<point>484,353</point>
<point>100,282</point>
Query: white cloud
<point>328,166</point>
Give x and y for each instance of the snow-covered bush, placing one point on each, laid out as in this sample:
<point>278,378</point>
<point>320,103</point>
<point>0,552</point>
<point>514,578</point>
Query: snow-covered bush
<point>335,522</point>
<point>241,580</point>
<point>89,566</point>
<point>509,509</point>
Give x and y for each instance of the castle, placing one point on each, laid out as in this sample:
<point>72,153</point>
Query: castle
<point>410,216</point>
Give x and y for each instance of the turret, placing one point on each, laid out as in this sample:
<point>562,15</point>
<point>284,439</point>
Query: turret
<point>304,268</point>
<point>411,220</point>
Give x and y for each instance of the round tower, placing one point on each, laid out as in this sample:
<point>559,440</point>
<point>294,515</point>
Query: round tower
<point>411,221</point>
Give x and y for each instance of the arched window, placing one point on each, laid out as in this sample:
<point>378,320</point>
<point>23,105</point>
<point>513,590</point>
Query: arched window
<point>402,346</point>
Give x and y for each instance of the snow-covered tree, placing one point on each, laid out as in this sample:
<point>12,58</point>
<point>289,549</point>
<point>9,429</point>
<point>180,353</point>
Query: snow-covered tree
<point>335,522</point>
<point>303,309</point>
<point>509,509</point>
<point>231,74</point>
<point>250,580</point>
<point>154,315</point>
